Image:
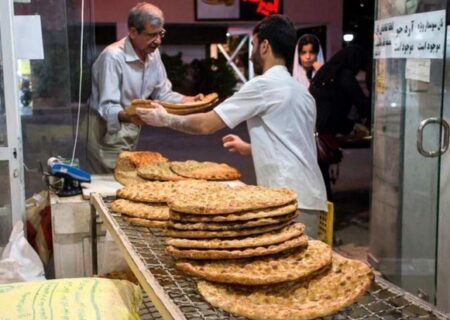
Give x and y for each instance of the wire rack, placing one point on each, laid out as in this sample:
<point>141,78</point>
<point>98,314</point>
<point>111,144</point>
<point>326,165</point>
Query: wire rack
<point>147,310</point>
<point>383,301</point>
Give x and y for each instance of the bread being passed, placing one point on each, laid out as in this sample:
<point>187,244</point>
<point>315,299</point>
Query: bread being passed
<point>202,105</point>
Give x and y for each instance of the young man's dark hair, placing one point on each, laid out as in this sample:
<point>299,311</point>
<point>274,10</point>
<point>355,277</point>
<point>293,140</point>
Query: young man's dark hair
<point>281,34</point>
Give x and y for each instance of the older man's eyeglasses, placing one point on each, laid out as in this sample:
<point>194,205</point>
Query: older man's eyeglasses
<point>153,35</point>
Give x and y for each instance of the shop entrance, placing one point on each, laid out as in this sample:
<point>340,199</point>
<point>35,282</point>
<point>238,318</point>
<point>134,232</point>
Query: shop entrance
<point>12,198</point>
<point>410,205</point>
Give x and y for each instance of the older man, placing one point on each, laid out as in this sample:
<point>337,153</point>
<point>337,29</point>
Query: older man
<point>280,115</point>
<point>128,69</point>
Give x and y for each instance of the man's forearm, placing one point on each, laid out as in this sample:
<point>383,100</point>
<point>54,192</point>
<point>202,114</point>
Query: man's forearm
<point>191,124</point>
<point>199,123</point>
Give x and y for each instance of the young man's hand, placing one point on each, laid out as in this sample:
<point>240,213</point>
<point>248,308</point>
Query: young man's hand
<point>156,116</point>
<point>236,144</point>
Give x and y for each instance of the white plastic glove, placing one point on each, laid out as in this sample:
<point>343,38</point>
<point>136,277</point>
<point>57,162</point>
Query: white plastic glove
<point>156,116</point>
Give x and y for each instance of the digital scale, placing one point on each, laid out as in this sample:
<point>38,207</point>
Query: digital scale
<point>71,176</point>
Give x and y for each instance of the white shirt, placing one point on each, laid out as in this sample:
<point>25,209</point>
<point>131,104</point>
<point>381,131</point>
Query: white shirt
<point>281,116</point>
<point>119,76</point>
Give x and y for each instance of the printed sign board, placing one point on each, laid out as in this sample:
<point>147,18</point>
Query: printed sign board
<point>420,35</point>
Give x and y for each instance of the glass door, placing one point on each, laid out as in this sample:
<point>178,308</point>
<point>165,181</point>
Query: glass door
<point>12,199</point>
<point>410,137</point>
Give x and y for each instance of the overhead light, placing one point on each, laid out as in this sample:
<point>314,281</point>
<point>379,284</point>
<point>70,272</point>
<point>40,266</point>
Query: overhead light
<point>228,34</point>
<point>348,37</point>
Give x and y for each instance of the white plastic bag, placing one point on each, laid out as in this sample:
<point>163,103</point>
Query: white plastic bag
<point>111,260</point>
<point>19,261</point>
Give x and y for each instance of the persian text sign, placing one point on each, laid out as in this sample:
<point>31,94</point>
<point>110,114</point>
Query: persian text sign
<point>420,35</point>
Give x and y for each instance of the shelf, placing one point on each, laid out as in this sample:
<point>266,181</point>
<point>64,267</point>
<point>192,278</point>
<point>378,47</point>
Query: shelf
<point>175,294</point>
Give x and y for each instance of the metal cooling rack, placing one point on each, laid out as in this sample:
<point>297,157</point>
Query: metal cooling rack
<point>147,310</point>
<point>174,295</point>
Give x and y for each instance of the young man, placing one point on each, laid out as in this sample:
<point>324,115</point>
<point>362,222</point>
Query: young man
<point>128,69</point>
<point>280,115</point>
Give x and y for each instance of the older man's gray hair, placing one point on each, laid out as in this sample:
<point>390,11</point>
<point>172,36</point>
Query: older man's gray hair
<point>145,13</point>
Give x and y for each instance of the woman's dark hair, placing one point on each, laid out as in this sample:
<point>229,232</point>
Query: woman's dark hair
<point>309,39</point>
<point>281,34</point>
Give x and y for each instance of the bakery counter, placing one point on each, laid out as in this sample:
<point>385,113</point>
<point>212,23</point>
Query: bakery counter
<point>175,295</point>
<point>71,229</point>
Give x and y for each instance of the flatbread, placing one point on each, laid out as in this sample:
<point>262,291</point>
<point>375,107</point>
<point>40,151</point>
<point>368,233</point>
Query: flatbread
<point>141,210</point>
<point>208,99</point>
<point>158,171</point>
<point>291,266</point>
<point>138,103</point>
<point>145,222</point>
<point>190,110</point>
<point>231,225</point>
<point>124,163</point>
<point>196,254</point>
<point>265,239</point>
<point>128,161</point>
<point>146,104</point>
<point>231,200</point>
<point>204,170</point>
<point>162,191</point>
<point>239,216</point>
<point>150,191</point>
<point>128,177</point>
<point>198,234</point>
<point>323,295</point>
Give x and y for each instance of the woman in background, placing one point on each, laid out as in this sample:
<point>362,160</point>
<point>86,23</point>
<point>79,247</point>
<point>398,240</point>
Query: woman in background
<point>308,59</point>
<point>337,91</point>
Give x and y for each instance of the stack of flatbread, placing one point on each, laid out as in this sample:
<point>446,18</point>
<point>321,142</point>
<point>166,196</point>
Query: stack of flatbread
<point>206,170</point>
<point>145,204</point>
<point>256,262</point>
<point>190,169</point>
<point>128,161</point>
<point>320,294</point>
<point>140,166</point>
<point>203,105</point>
<point>158,172</point>
<point>223,222</point>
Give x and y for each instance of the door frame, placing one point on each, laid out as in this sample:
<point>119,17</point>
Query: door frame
<point>443,249</point>
<point>13,152</point>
